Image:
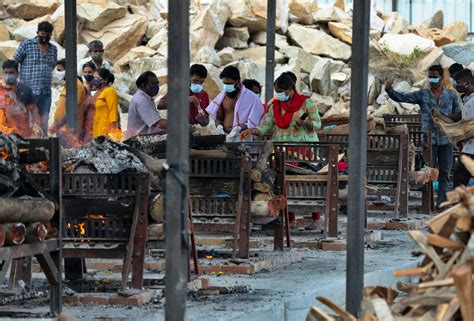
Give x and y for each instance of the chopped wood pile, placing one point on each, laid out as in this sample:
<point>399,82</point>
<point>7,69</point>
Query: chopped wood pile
<point>24,211</point>
<point>456,132</point>
<point>445,290</point>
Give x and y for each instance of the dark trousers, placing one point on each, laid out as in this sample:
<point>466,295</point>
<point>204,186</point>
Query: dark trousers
<point>461,175</point>
<point>443,160</point>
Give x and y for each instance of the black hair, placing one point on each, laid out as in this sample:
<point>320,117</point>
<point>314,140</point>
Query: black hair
<point>45,26</point>
<point>465,74</point>
<point>143,78</point>
<point>291,75</point>
<point>285,82</point>
<point>198,70</point>
<point>89,64</point>
<point>106,75</point>
<point>10,64</point>
<point>230,72</point>
<point>437,68</point>
<point>454,68</point>
<point>61,62</point>
<point>250,83</point>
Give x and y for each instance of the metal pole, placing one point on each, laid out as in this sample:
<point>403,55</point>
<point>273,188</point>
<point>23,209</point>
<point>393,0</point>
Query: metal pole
<point>70,39</point>
<point>394,5</point>
<point>270,65</point>
<point>177,154</point>
<point>357,156</point>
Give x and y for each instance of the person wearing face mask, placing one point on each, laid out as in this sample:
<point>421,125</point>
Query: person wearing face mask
<point>446,102</point>
<point>88,70</point>
<point>465,86</point>
<point>106,116</point>
<point>453,70</point>
<point>291,117</point>
<point>96,56</point>
<point>143,116</point>
<point>18,110</point>
<point>37,58</point>
<point>59,119</point>
<point>198,97</point>
<point>236,108</point>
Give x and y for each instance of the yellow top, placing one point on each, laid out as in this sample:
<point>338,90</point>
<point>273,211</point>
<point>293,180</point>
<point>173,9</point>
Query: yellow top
<point>106,112</point>
<point>61,109</point>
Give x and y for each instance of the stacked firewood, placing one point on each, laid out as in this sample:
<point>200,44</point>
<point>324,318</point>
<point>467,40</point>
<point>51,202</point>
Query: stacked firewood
<point>24,211</point>
<point>445,290</point>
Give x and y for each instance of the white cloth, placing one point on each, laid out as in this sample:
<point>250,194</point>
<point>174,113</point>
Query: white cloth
<point>467,111</point>
<point>220,130</point>
<point>248,108</point>
<point>234,135</point>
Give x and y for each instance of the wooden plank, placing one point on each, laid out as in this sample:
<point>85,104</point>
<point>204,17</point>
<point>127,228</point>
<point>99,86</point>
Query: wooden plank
<point>298,170</point>
<point>443,242</point>
<point>316,314</point>
<point>420,239</point>
<point>462,276</point>
<point>382,310</point>
<point>346,316</point>
<point>409,272</point>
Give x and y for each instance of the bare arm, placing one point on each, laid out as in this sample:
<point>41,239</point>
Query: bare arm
<point>220,116</point>
<point>163,103</point>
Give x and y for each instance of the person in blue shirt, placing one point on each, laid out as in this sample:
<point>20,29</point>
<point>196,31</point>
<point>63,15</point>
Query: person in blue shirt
<point>446,102</point>
<point>37,58</point>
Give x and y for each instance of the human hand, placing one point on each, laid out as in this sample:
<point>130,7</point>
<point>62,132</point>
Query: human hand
<point>249,132</point>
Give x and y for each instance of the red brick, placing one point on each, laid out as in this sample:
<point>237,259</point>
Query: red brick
<point>397,226</point>
<point>237,269</point>
<point>376,225</point>
<point>205,283</point>
<point>91,299</point>
<point>73,299</point>
<point>334,246</point>
<point>138,299</point>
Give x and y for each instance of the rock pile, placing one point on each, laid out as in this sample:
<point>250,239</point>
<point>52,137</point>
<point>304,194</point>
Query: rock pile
<point>312,41</point>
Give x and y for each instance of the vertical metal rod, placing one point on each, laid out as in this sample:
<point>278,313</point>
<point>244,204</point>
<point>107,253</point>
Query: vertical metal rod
<point>357,156</point>
<point>394,5</point>
<point>70,39</point>
<point>270,64</point>
<point>177,154</point>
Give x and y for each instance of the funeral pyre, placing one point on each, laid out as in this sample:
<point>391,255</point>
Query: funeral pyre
<point>25,212</point>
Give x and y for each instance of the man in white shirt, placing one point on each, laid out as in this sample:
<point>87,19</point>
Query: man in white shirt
<point>465,86</point>
<point>96,53</point>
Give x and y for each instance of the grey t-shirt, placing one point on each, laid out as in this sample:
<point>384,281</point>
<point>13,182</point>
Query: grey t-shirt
<point>142,115</point>
<point>467,111</point>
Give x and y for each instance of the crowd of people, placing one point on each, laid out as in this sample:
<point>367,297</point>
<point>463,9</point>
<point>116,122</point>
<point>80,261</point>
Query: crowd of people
<point>237,112</point>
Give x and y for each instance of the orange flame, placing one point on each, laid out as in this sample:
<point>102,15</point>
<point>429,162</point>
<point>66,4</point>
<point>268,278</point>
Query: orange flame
<point>82,229</point>
<point>4,154</point>
<point>116,135</point>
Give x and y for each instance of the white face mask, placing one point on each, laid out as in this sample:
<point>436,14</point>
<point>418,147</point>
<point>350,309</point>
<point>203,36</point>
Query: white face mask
<point>60,74</point>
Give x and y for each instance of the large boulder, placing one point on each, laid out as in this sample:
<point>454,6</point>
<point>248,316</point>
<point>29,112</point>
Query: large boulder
<point>435,21</point>
<point>133,55</point>
<point>457,30</point>
<point>376,23</point>
<point>137,67</point>
<point>207,55</point>
<point>319,43</point>
<point>158,39</point>
<point>7,49</point>
<point>330,13</point>
<point>57,19</point>
<point>321,75</point>
<point>405,44</point>
<point>228,55</point>
<point>235,37</point>
<point>253,14</point>
<point>301,11</point>
<point>4,32</point>
<point>433,58</point>
<point>462,53</point>
<point>213,84</point>
<point>260,38</point>
<point>306,59</point>
<point>341,31</point>
<point>95,17</point>
<point>208,26</point>
<point>29,10</point>
<point>396,24</point>
<point>120,36</point>
<point>250,70</point>
<point>294,66</point>
<point>440,37</point>
<point>258,55</point>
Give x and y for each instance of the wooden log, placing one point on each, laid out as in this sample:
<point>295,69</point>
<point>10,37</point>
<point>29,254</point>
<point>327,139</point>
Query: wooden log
<point>53,232</point>
<point>157,211</point>
<point>298,170</point>
<point>456,132</point>
<point>316,314</point>
<point>422,177</point>
<point>409,272</point>
<point>15,233</point>
<point>346,316</point>
<point>262,162</point>
<point>344,129</point>
<point>261,187</point>
<point>267,181</point>
<point>257,196</point>
<point>25,210</point>
<point>36,232</point>
<point>443,242</point>
<point>213,186</point>
<point>462,276</point>
<point>398,129</point>
<point>325,169</point>
<point>468,163</point>
<point>156,232</point>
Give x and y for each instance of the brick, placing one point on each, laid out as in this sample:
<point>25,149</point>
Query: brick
<point>71,299</point>
<point>334,246</point>
<point>137,299</point>
<point>306,244</point>
<point>92,299</point>
<point>376,225</point>
<point>397,226</point>
<point>205,283</point>
<point>237,269</point>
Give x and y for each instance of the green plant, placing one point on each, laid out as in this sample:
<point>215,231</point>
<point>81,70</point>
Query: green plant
<point>402,61</point>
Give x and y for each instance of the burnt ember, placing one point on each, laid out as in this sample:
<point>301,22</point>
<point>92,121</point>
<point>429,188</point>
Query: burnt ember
<point>102,155</point>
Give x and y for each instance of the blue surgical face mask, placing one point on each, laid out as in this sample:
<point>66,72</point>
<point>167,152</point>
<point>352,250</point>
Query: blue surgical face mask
<point>433,80</point>
<point>229,88</point>
<point>197,88</point>
<point>153,90</point>
<point>10,79</point>
<point>282,96</point>
<point>88,78</point>
<point>97,83</point>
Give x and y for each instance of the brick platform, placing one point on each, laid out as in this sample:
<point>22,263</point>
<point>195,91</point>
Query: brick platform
<point>109,298</point>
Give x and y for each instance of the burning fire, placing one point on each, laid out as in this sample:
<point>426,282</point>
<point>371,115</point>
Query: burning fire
<point>80,227</point>
<point>116,135</point>
<point>68,138</point>
<point>4,154</point>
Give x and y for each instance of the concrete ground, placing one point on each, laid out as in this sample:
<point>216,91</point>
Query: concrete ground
<point>282,294</point>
